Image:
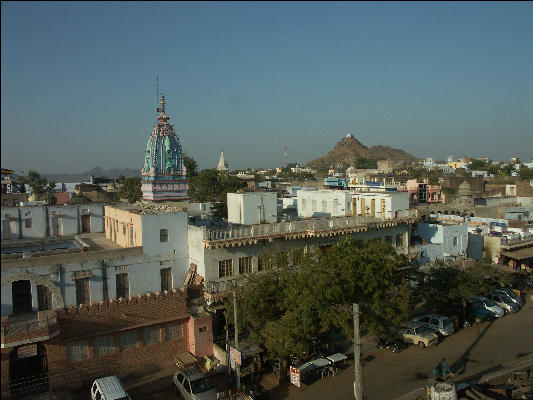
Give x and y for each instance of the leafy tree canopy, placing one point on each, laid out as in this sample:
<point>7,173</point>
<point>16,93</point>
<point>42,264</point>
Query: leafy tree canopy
<point>131,189</point>
<point>191,165</point>
<point>210,185</point>
<point>365,163</point>
<point>525,173</point>
<point>303,295</point>
<point>39,185</point>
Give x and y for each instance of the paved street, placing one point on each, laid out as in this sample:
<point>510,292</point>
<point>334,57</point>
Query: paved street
<point>470,351</point>
<point>480,348</point>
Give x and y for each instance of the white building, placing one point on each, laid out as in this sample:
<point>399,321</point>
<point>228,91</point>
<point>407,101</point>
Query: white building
<point>32,222</point>
<point>252,208</point>
<point>380,204</point>
<point>324,203</point>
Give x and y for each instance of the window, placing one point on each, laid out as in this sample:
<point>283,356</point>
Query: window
<point>174,331</point>
<point>123,286</point>
<point>203,329</point>
<point>128,340</point>
<point>388,239</point>
<point>166,279</point>
<point>313,205</point>
<point>28,223</point>
<point>225,268</point>
<point>245,265</point>
<point>399,240</point>
<point>304,204</point>
<point>163,235</point>
<point>82,291</point>
<point>151,335</point>
<point>77,351</point>
<point>44,298</point>
<point>104,345</point>
<point>263,263</point>
<point>455,241</point>
<point>324,205</point>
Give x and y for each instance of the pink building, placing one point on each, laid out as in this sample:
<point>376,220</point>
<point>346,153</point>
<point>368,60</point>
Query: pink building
<point>421,192</point>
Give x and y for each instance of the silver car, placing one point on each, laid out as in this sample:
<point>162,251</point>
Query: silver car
<point>512,295</point>
<point>438,323</point>
<point>194,385</point>
<point>489,305</point>
<point>503,301</point>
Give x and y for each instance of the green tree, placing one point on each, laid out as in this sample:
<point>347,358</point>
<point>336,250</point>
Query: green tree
<point>131,189</point>
<point>433,180</point>
<point>303,295</point>
<point>210,185</point>
<point>446,288</point>
<point>39,185</point>
<point>365,163</point>
<point>191,165</point>
<point>478,165</point>
<point>525,173</point>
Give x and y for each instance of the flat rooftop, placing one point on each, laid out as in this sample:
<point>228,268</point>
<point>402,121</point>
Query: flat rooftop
<point>91,246</point>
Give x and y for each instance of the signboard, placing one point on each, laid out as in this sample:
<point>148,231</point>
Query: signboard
<point>235,355</point>
<point>295,376</point>
<point>27,351</point>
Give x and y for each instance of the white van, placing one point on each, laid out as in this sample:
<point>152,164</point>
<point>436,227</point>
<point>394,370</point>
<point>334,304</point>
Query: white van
<point>108,388</point>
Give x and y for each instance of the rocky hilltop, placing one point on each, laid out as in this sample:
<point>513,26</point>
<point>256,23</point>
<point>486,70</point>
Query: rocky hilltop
<point>348,149</point>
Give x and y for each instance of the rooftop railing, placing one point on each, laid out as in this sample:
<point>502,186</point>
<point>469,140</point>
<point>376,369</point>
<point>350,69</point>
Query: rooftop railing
<point>307,225</point>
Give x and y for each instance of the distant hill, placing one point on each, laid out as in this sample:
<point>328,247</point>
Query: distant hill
<point>96,172</point>
<point>348,149</point>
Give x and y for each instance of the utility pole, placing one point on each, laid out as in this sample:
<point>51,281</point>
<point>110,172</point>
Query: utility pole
<point>358,381</point>
<point>228,370</point>
<point>237,366</point>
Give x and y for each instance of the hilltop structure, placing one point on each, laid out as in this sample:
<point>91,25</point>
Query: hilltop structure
<point>164,175</point>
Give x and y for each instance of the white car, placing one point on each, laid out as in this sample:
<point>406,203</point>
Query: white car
<point>438,323</point>
<point>503,301</point>
<point>490,305</point>
<point>193,385</point>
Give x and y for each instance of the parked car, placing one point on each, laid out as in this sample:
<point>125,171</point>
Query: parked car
<point>512,295</point>
<point>503,301</point>
<point>194,385</point>
<point>413,332</point>
<point>490,305</point>
<point>438,323</point>
<point>108,388</point>
<point>476,312</point>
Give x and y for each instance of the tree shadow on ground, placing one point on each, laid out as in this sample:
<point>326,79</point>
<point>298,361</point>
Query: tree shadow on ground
<point>459,366</point>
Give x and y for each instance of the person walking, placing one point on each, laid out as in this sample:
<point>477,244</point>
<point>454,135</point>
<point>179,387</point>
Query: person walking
<point>443,370</point>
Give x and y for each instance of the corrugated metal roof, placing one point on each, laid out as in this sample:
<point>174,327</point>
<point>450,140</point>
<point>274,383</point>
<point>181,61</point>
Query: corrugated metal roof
<point>520,254</point>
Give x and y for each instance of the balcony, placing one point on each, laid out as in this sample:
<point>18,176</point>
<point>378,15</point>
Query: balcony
<point>312,227</point>
<point>29,328</point>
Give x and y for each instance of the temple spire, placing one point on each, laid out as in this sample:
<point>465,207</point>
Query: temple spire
<point>162,102</point>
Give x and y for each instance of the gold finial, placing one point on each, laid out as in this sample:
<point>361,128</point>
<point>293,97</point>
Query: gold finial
<point>162,102</point>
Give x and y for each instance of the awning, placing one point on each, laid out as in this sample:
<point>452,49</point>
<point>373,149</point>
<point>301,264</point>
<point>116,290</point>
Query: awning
<point>520,254</point>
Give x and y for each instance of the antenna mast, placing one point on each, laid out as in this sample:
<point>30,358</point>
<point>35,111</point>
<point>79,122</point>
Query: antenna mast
<point>156,96</point>
<point>285,149</point>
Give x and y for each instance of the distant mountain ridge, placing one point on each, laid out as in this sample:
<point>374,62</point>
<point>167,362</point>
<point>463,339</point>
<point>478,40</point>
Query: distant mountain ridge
<point>348,149</point>
<point>96,172</point>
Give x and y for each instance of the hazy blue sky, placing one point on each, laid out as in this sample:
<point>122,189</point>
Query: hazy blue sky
<point>434,79</point>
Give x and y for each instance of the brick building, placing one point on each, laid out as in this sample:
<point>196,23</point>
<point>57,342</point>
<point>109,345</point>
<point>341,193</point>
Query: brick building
<point>117,337</point>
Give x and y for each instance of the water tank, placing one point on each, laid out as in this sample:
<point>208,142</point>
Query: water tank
<point>443,391</point>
